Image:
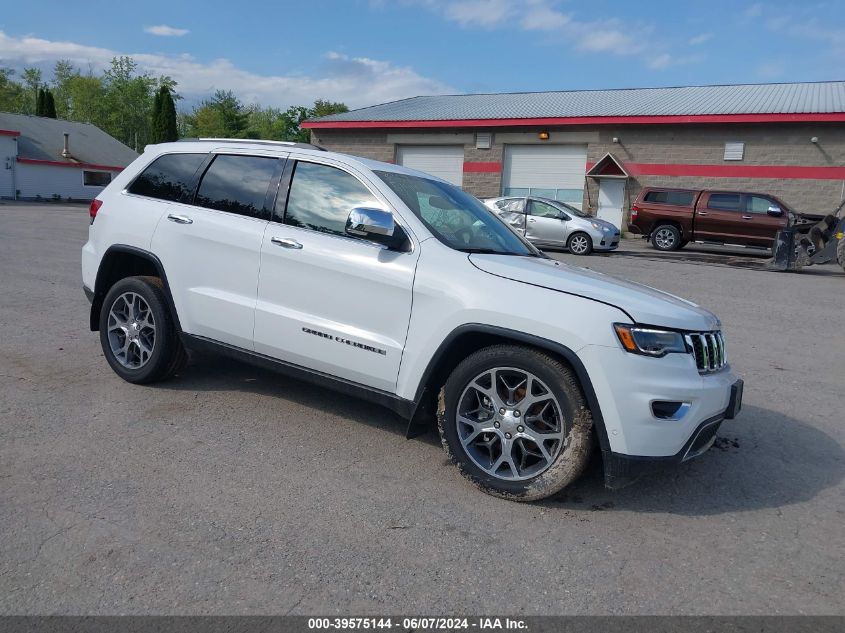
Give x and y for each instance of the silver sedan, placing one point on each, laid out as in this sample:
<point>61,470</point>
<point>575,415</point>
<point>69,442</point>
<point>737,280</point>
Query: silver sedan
<point>551,223</point>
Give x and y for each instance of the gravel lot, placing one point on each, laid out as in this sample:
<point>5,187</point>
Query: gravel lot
<point>233,490</point>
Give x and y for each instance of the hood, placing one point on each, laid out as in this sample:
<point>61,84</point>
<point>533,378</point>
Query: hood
<point>586,222</point>
<point>644,304</point>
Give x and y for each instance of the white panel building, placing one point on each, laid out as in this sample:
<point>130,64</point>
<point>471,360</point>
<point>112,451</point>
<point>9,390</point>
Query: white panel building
<point>51,159</point>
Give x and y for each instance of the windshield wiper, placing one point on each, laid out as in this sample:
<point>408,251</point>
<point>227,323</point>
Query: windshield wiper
<point>490,251</point>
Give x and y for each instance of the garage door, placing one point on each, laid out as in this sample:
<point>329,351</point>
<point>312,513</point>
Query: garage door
<point>443,161</point>
<point>547,171</point>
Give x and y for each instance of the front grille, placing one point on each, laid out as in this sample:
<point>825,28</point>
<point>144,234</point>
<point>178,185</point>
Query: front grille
<point>709,351</point>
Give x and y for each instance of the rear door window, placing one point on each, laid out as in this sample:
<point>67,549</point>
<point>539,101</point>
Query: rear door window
<point>237,184</point>
<point>725,201</point>
<point>168,177</point>
<point>512,205</point>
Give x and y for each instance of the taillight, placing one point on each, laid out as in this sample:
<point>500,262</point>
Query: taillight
<point>92,210</point>
<point>634,211</point>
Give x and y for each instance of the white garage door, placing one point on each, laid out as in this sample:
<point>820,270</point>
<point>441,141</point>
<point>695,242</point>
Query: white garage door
<point>547,171</point>
<point>443,161</point>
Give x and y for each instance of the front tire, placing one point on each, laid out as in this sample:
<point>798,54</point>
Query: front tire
<point>137,332</point>
<point>580,244</point>
<point>514,421</point>
<point>666,237</point>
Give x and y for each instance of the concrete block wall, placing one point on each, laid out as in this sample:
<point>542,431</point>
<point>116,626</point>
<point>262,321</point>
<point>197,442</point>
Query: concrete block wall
<point>702,144</point>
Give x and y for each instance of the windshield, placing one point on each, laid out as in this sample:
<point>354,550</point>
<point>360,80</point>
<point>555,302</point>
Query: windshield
<point>455,217</point>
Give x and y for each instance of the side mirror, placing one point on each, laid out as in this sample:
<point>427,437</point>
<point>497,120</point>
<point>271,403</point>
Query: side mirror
<point>774,211</point>
<point>376,225</point>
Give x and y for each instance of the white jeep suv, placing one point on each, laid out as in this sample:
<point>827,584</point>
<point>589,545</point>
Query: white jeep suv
<point>396,286</point>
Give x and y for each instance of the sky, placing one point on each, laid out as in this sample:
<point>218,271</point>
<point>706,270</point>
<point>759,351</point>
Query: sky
<point>363,52</point>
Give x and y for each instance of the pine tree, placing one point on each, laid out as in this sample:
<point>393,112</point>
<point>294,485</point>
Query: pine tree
<point>49,105</point>
<point>168,117</point>
<point>155,120</point>
<point>39,103</point>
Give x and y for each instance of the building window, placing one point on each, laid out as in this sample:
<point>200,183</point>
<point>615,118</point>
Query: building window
<point>96,178</point>
<point>734,151</point>
<point>572,196</point>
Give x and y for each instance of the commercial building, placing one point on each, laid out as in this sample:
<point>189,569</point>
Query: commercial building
<point>597,148</point>
<point>43,158</point>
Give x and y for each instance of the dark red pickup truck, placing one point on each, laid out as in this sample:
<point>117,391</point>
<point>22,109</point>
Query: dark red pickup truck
<point>671,218</point>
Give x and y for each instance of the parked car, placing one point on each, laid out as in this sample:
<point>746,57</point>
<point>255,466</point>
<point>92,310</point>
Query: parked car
<point>551,223</point>
<point>396,286</point>
<point>671,218</point>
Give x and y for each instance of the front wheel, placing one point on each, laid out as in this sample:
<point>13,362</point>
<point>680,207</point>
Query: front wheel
<point>514,421</point>
<point>579,244</point>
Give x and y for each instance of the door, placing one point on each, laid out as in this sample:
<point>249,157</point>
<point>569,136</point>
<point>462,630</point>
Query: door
<point>718,217</point>
<point>545,171</point>
<point>513,211</point>
<point>761,226</point>
<point>211,249</point>
<point>545,223</point>
<point>328,301</point>
<point>611,200</point>
<point>443,161</point>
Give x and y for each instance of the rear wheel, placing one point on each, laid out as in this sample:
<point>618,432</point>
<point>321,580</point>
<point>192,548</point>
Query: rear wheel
<point>666,238</point>
<point>515,422</point>
<point>137,332</point>
<point>840,252</point>
<point>579,244</point>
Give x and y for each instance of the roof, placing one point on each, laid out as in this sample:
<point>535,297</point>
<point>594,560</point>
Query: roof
<point>41,139</point>
<point>727,103</point>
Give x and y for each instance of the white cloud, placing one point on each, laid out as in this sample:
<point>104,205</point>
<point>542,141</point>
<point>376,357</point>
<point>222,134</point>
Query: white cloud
<point>754,11</point>
<point>165,31</point>
<point>539,17</point>
<point>660,61</point>
<point>699,39</point>
<point>356,81</point>
<point>485,13</point>
<point>599,39</point>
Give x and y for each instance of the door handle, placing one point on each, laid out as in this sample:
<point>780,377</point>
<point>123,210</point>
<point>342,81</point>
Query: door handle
<point>285,242</point>
<point>180,219</point>
<point>748,217</point>
<point>531,220</point>
<point>701,212</point>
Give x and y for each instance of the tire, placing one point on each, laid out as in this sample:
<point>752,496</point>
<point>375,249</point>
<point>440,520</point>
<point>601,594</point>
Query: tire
<point>579,244</point>
<point>559,409</point>
<point>136,308</point>
<point>840,252</point>
<point>683,243</point>
<point>666,237</point>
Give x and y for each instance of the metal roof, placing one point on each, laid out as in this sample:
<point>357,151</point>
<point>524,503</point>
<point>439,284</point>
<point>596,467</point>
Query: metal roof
<point>747,99</point>
<point>41,138</point>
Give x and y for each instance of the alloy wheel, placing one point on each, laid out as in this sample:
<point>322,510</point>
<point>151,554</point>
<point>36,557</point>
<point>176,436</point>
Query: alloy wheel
<point>579,245</point>
<point>664,238</point>
<point>510,423</point>
<point>131,330</point>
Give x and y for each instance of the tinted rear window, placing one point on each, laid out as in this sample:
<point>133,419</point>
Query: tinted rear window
<point>726,201</point>
<point>237,184</point>
<point>168,177</point>
<point>678,198</point>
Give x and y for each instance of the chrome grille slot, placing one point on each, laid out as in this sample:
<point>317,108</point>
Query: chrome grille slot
<point>708,348</point>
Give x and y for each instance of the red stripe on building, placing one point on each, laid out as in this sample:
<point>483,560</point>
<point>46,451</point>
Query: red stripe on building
<point>790,172</point>
<point>58,163</point>
<point>9,133</point>
<point>825,117</point>
<point>483,168</point>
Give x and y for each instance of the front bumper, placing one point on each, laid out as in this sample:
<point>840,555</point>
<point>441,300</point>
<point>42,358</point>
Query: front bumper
<point>621,470</point>
<point>605,241</point>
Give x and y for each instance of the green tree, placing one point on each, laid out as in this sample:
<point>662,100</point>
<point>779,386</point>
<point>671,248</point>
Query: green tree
<point>325,108</point>
<point>221,116</point>
<point>155,119</point>
<point>170,131</point>
<point>39,102</point>
<point>12,94</point>
<point>49,105</point>
<point>32,81</point>
<point>128,97</point>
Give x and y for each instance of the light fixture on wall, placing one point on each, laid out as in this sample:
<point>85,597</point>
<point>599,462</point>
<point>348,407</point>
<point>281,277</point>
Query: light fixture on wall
<point>814,139</point>
<point>543,136</point>
<point>616,139</point>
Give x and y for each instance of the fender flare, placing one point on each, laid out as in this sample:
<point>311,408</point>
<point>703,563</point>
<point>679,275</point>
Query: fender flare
<point>102,273</point>
<point>529,339</point>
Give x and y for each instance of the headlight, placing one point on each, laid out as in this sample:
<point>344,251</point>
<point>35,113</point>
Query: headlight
<point>599,227</point>
<point>649,341</point>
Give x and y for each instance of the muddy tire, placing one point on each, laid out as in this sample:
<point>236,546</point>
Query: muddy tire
<point>840,252</point>
<point>666,237</point>
<point>515,422</point>
<point>137,332</point>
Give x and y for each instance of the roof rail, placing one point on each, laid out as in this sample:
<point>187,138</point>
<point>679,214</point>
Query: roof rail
<point>259,142</point>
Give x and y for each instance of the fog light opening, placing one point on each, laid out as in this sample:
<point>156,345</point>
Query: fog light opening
<point>669,409</point>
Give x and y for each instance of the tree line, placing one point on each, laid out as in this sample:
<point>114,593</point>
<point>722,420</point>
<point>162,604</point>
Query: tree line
<point>137,108</point>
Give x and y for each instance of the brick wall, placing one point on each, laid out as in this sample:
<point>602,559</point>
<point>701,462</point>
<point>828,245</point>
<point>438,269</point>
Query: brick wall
<point>765,144</point>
